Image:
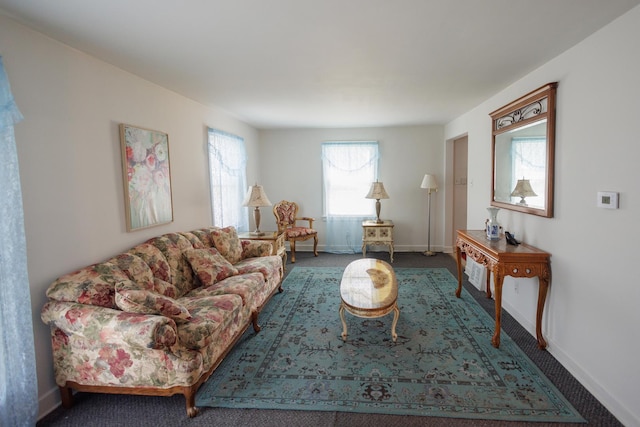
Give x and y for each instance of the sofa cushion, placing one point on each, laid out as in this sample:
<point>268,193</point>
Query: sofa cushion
<point>204,235</point>
<point>94,285</point>
<point>255,248</point>
<point>154,259</point>
<point>213,319</point>
<point>131,299</point>
<point>227,243</point>
<point>134,267</point>
<point>247,286</point>
<point>193,239</point>
<point>172,245</point>
<point>165,288</point>
<point>209,265</point>
<point>270,266</point>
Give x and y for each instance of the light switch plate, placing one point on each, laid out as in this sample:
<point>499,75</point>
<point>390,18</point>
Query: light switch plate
<point>608,199</point>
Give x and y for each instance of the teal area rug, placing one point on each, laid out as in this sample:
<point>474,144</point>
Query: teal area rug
<point>442,364</point>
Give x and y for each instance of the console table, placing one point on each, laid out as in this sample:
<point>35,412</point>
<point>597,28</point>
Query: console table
<point>503,260</point>
<point>374,233</point>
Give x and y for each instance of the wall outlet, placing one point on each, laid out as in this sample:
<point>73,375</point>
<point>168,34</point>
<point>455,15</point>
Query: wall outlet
<point>461,181</point>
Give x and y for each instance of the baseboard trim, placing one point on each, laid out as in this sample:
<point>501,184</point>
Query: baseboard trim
<point>623,414</point>
<point>48,402</point>
<point>379,248</point>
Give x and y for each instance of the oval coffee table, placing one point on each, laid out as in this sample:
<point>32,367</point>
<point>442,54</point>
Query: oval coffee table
<point>369,289</point>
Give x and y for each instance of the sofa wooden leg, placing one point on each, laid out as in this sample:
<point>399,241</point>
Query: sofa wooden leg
<point>66,396</point>
<point>190,397</point>
<point>254,321</point>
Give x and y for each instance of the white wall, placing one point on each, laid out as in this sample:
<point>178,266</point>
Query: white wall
<point>70,166</point>
<point>292,170</point>
<point>592,308</point>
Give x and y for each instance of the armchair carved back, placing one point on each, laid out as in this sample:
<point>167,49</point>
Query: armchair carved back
<point>285,213</point>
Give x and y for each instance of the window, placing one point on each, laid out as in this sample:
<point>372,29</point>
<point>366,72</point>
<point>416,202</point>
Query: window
<point>529,162</point>
<point>348,170</point>
<point>228,179</point>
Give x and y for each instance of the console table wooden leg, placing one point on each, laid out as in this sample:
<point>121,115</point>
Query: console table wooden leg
<point>488,283</point>
<point>498,279</point>
<point>542,296</point>
<point>459,262</point>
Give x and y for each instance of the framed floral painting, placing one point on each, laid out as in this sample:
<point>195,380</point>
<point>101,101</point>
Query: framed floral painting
<point>147,177</point>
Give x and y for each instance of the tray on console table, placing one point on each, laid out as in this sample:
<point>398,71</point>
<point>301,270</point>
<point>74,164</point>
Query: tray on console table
<point>503,260</point>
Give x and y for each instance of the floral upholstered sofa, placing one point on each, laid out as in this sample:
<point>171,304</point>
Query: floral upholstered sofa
<point>160,317</point>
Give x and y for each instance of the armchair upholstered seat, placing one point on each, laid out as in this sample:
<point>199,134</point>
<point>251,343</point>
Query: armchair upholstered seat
<point>286,214</point>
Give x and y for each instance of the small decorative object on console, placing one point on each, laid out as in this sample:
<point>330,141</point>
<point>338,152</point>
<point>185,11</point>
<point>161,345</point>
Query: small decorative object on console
<point>493,228</point>
<point>510,239</point>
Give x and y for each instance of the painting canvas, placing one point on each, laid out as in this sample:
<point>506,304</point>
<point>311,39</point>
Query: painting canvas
<point>147,177</point>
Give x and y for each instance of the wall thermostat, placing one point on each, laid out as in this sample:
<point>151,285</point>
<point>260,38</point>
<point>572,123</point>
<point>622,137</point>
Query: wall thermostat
<point>608,199</point>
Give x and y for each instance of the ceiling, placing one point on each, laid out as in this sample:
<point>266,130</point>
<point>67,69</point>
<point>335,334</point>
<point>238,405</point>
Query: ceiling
<point>324,63</point>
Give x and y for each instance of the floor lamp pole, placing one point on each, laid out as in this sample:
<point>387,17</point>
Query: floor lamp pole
<point>429,252</point>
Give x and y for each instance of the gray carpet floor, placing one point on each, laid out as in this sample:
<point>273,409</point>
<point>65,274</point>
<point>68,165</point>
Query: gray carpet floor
<point>121,410</point>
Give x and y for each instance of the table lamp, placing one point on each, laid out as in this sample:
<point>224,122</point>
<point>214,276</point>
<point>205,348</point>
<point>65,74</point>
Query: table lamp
<point>523,189</point>
<point>256,197</point>
<point>377,192</point>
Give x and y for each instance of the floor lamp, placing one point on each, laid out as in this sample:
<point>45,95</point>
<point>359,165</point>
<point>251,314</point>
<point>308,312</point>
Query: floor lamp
<point>430,184</point>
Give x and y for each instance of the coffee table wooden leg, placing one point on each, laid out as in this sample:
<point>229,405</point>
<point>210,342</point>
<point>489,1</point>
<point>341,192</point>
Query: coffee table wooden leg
<point>344,323</point>
<point>396,315</point>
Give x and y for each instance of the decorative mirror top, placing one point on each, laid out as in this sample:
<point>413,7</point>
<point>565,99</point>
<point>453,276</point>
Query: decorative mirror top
<point>528,111</point>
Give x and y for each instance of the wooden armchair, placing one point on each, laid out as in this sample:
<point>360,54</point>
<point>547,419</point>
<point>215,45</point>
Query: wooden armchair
<point>286,214</point>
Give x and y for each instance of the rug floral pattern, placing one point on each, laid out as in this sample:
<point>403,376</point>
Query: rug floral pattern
<point>443,363</point>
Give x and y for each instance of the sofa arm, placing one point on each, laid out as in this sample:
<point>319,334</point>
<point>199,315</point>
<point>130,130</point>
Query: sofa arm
<point>256,248</point>
<point>110,326</point>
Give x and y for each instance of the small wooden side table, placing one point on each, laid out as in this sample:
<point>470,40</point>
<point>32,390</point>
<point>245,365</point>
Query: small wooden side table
<point>277,243</point>
<point>377,234</point>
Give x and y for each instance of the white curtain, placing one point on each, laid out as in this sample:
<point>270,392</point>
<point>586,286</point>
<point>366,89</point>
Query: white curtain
<point>18,385</point>
<point>348,170</point>
<point>228,179</point>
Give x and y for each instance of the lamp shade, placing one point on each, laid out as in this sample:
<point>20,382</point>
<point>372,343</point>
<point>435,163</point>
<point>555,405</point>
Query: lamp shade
<point>429,182</point>
<point>523,189</point>
<point>256,197</point>
<point>377,191</point>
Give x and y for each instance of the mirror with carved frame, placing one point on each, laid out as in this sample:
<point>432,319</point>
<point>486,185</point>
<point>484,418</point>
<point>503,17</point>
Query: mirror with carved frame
<point>522,152</point>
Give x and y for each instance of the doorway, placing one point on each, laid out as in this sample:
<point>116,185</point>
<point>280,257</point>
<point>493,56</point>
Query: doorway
<point>460,156</point>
